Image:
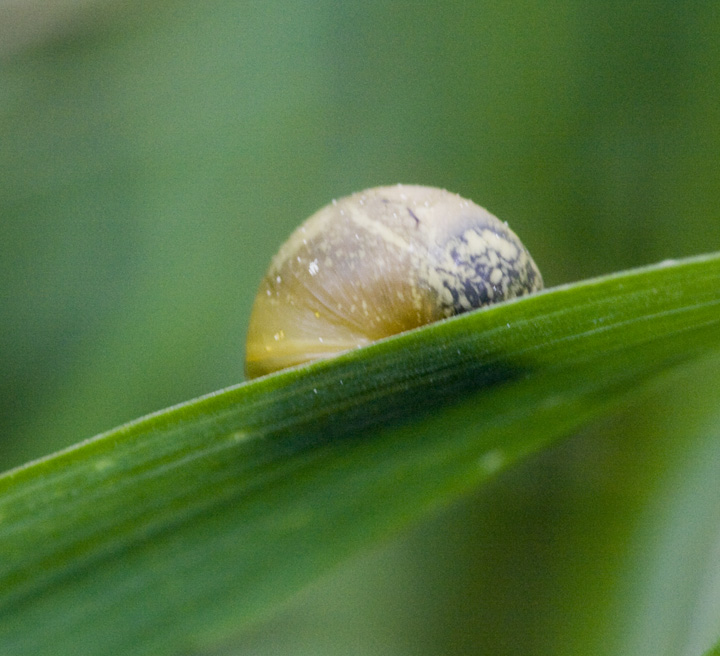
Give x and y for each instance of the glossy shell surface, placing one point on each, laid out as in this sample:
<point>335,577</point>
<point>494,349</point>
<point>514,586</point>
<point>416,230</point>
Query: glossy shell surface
<point>377,263</point>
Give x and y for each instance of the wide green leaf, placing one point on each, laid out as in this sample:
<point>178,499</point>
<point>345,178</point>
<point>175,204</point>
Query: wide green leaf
<point>173,531</point>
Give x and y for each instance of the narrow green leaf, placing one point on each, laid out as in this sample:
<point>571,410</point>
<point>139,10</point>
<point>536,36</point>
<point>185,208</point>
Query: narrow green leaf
<point>174,530</point>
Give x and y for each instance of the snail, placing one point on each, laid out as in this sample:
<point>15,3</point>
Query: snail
<point>380,262</point>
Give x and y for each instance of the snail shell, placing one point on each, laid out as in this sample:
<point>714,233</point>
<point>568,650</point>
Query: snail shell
<point>377,263</point>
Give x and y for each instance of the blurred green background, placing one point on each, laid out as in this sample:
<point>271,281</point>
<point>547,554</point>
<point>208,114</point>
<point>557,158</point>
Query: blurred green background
<point>154,155</point>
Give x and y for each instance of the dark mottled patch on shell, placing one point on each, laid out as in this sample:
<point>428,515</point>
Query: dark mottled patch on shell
<point>483,265</point>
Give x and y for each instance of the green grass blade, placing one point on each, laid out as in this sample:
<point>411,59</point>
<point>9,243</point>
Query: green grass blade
<point>174,530</point>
